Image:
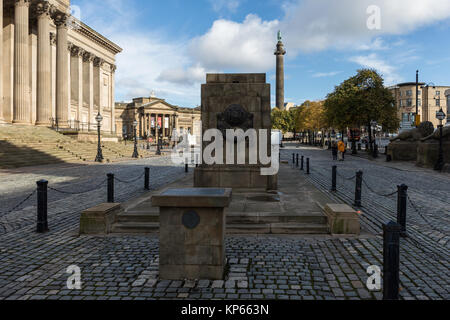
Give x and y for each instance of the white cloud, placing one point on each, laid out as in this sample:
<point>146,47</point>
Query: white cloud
<point>315,25</point>
<point>325,74</point>
<point>184,77</point>
<point>374,62</point>
<point>246,46</point>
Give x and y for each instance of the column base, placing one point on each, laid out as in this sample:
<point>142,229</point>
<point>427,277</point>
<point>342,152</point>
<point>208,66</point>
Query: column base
<point>42,124</point>
<point>21,122</point>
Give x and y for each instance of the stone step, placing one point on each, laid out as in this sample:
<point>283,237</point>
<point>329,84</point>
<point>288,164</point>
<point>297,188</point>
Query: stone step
<point>278,228</point>
<point>135,228</point>
<point>136,216</point>
<point>262,217</point>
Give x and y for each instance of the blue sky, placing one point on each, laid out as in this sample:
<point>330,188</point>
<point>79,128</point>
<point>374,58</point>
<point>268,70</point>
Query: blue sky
<point>170,45</point>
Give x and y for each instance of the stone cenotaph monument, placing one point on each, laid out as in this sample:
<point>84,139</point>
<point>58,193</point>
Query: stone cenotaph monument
<point>236,101</point>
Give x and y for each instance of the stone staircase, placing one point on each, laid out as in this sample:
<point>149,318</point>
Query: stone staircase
<point>22,146</point>
<point>143,221</point>
<point>297,209</point>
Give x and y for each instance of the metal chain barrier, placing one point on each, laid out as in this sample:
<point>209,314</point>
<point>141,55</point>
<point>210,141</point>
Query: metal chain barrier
<point>18,205</point>
<point>351,178</point>
<point>80,192</point>
<point>129,181</point>
<point>423,217</point>
<point>377,193</point>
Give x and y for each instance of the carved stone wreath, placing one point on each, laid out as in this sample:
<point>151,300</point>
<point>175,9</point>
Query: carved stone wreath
<point>234,117</point>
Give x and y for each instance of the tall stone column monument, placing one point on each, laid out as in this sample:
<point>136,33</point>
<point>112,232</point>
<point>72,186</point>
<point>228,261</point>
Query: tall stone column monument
<point>280,52</point>
<point>236,101</point>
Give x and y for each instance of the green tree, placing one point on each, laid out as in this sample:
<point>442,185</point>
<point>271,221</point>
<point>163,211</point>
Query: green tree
<point>359,100</point>
<point>283,120</point>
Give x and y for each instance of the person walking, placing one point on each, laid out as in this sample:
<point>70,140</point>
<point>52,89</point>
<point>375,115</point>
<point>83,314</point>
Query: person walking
<point>341,149</point>
<point>334,150</point>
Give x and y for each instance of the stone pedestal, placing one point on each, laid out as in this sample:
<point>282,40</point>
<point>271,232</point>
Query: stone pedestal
<point>428,153</point>
<point>342,219</point>
<point>403,150</point>
<point>99,219</point>
<point>236,101</point>
<point>192,233</point>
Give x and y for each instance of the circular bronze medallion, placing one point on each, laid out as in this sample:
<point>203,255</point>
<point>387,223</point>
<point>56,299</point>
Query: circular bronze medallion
<point>191,219</point>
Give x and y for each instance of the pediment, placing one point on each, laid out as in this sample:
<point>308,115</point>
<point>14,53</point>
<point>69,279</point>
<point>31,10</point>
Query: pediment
<point>159,105</point>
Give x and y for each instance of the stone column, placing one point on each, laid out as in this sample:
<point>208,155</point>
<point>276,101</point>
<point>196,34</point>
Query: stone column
<point>22,103</point>
<point>44,80</point>
<point>88,85</point>
<point>1,61</point>
<point>280,52</point>
<point>113,104</point>
<point>98,63</point>
<point>62,68</point>
<point>76,78</point>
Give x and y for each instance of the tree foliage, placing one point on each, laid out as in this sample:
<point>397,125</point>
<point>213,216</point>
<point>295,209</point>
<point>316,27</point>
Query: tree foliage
<point>283,120</point>
<point>311,116</point>
<point>359,100</point>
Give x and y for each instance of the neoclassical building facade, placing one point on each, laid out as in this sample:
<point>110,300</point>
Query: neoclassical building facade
<point>151,113</point>
<point>55,69</point>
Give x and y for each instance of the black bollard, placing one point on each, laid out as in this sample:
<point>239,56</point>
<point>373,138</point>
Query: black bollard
<point>358,189</point>
<point>303,160</point>
<point>147,179</point>
<point>334,178</point>
<point>42,222</point>
<point>293,159</point>
<point>110,187</point>
<point>359,147</point>
<point>402,196</point>
<point>391,260</point>
<point>307,165</point>
<point>186,167</point>
<point>296,161</point>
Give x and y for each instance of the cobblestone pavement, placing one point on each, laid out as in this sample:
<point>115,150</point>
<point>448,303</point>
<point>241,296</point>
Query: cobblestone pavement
<point>33,266</point>
<point>72,182</point>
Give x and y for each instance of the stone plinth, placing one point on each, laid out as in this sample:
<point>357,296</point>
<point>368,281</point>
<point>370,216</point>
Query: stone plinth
<point>235,101</point>
<point>192,233</point>
<point>99,219</point>
<point>403,150</point>
<point>342,219</point>
<point>428,153</point>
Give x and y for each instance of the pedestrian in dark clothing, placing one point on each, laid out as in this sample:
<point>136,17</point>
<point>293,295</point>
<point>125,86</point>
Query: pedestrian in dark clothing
<point>334,150</point>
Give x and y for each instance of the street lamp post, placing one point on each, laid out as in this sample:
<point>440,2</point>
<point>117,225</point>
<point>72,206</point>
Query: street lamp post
<point>158,148</point>
<point>135,152</point>
<point>99,157</point>
<point>440,115</point>
<point>417,117</point>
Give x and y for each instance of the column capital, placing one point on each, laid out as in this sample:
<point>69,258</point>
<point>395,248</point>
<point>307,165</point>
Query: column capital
<point>60,19</point>
<point>98,62</point>
<point>113,68</point>
<point>43,9</point>
<point>88,57</point>
<point>77,51</point>
<point>22,2</point>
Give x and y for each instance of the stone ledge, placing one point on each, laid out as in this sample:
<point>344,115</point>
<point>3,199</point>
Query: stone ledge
<point>342,219</point>
<point>99,219</point>
<point>193,198</point>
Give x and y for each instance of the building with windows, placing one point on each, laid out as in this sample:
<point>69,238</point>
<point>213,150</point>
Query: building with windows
<point>152,113</point>
<point>431,99</point>
<point>55,69</point>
